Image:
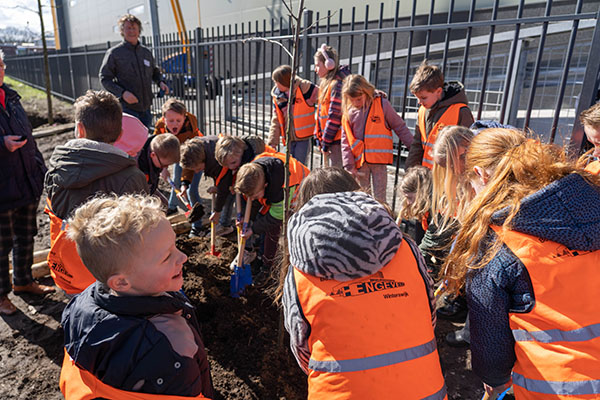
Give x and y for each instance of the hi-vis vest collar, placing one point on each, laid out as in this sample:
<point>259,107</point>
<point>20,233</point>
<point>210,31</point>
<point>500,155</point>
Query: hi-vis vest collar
<point>79,384</point>
<point>557,343</point>
<point>449,117</point>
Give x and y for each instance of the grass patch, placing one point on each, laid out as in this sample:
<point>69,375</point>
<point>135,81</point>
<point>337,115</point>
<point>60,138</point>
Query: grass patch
<point>25,91</point>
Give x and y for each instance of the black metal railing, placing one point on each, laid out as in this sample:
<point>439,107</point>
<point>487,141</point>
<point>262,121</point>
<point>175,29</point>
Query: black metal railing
<point>526,65</point>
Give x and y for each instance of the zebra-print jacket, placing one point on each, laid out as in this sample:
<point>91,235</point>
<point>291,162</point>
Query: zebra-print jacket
<point>341,236</point>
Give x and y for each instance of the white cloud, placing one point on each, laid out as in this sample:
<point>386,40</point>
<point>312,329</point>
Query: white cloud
<point>15,13</point>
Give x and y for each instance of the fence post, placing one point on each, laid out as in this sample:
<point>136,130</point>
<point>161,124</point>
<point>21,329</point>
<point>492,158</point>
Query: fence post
<point>306,50</point>
<point>87,67</point>
<point>517,81</point>
<point>589,90</point>
<point>71,73</point>
<point>200,81</point>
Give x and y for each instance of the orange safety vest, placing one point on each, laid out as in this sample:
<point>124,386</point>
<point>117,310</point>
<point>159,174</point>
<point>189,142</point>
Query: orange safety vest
<point>323,114</point>
<point>161,127</point>
<point>304,117</point>
<point>297,173</point>
<point>371,337</point>
<point>557,343</point>
<point>593,167</point>
<point>449,117</point>
<point>378,143</point>
<point>66,267</point>
<point>79,384</point>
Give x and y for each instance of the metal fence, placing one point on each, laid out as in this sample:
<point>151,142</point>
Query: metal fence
<point>530,66</point>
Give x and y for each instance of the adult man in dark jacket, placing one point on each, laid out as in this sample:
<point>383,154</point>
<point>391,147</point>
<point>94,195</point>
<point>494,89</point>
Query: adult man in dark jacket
<point>128,70</point>
<point>21,176</point>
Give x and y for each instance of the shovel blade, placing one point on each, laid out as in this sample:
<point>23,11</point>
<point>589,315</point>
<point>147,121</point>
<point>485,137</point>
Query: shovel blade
<point>240,278</point>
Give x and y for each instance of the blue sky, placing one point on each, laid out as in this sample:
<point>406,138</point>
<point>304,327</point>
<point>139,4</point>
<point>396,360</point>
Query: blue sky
<point>13,14</point>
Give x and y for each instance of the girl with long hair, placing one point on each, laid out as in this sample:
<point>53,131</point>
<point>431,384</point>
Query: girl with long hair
<point>528,254</point>
<point>367,141</point>
<point>328,131</point>
<point>357,299</point>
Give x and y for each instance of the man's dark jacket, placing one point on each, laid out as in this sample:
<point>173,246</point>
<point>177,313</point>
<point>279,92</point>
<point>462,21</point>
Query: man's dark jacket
<point>132,68</point>
<point>21,171</point>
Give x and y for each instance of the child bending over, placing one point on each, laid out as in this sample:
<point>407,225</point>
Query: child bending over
<point>132,330</point>
<point>155,157</point>
<point>262,181</point>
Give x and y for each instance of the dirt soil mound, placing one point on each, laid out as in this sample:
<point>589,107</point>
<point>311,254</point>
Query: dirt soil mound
<point>240,334</point>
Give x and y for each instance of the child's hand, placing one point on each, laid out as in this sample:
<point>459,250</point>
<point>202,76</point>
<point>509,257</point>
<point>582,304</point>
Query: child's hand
<point>183,191</point>
<point>129,97</point>
<point>214,217</point>
<point>164,87</point>
<point>246,235</point>
<point>165,174</point>
<point>212,189</point>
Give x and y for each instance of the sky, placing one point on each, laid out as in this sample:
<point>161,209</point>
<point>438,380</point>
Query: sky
<point>14,14</point>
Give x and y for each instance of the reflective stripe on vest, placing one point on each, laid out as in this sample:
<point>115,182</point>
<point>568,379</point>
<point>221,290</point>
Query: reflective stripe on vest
<point>449,117</point>
<point>66,267</point>
<point>78,384</point>
<point>378,142</point>
<point>304,117</point>
<point>557,343</point>
<point>322,115</point>
<point>593,167</point>
<point>297,173</point>
<point>371,337</point>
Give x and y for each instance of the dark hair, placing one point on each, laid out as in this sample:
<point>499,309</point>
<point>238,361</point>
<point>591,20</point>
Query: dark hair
<point>428,77</point>
<point>101,115</point>
<point>325,180</point>
<point>282,75</point>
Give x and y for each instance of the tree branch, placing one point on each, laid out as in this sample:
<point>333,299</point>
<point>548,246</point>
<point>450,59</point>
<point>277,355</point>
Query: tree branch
<point>317,21</point>
<point>257,38</point>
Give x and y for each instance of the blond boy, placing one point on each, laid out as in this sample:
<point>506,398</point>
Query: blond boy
<point>132,329</point>
<point>441,103</point>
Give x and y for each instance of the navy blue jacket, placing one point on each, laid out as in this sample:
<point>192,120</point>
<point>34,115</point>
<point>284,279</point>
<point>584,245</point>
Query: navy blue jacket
<point>567,212</point>
<point>21,171</point>
<point>114,338</point>
<point>146,165</point>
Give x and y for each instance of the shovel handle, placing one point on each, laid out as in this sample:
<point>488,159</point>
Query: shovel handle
<point>325,159</point>
<point>238,207</point>
<point>212,224</point>
<point>245,227</point>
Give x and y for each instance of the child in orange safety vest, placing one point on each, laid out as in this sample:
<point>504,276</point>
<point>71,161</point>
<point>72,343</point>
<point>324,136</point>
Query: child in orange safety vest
<point>357,299</point>
<point>328,130</point>
<point>527,255</point>
<point>440,104</point>
<point>262,181</point>
<point>367,142</point>
<point>132,334</point>
<point>184,125</point>
<point>302,129</point>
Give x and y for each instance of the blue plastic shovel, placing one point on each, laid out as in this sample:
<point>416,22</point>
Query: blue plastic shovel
<point>242,274</point>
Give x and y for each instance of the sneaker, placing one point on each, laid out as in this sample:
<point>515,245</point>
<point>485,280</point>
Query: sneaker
<point>458,338</point>
<point>221,230</point>
<point>196,233</point>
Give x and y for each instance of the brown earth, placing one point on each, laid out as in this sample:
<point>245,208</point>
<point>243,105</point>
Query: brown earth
<point>240,334</point>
